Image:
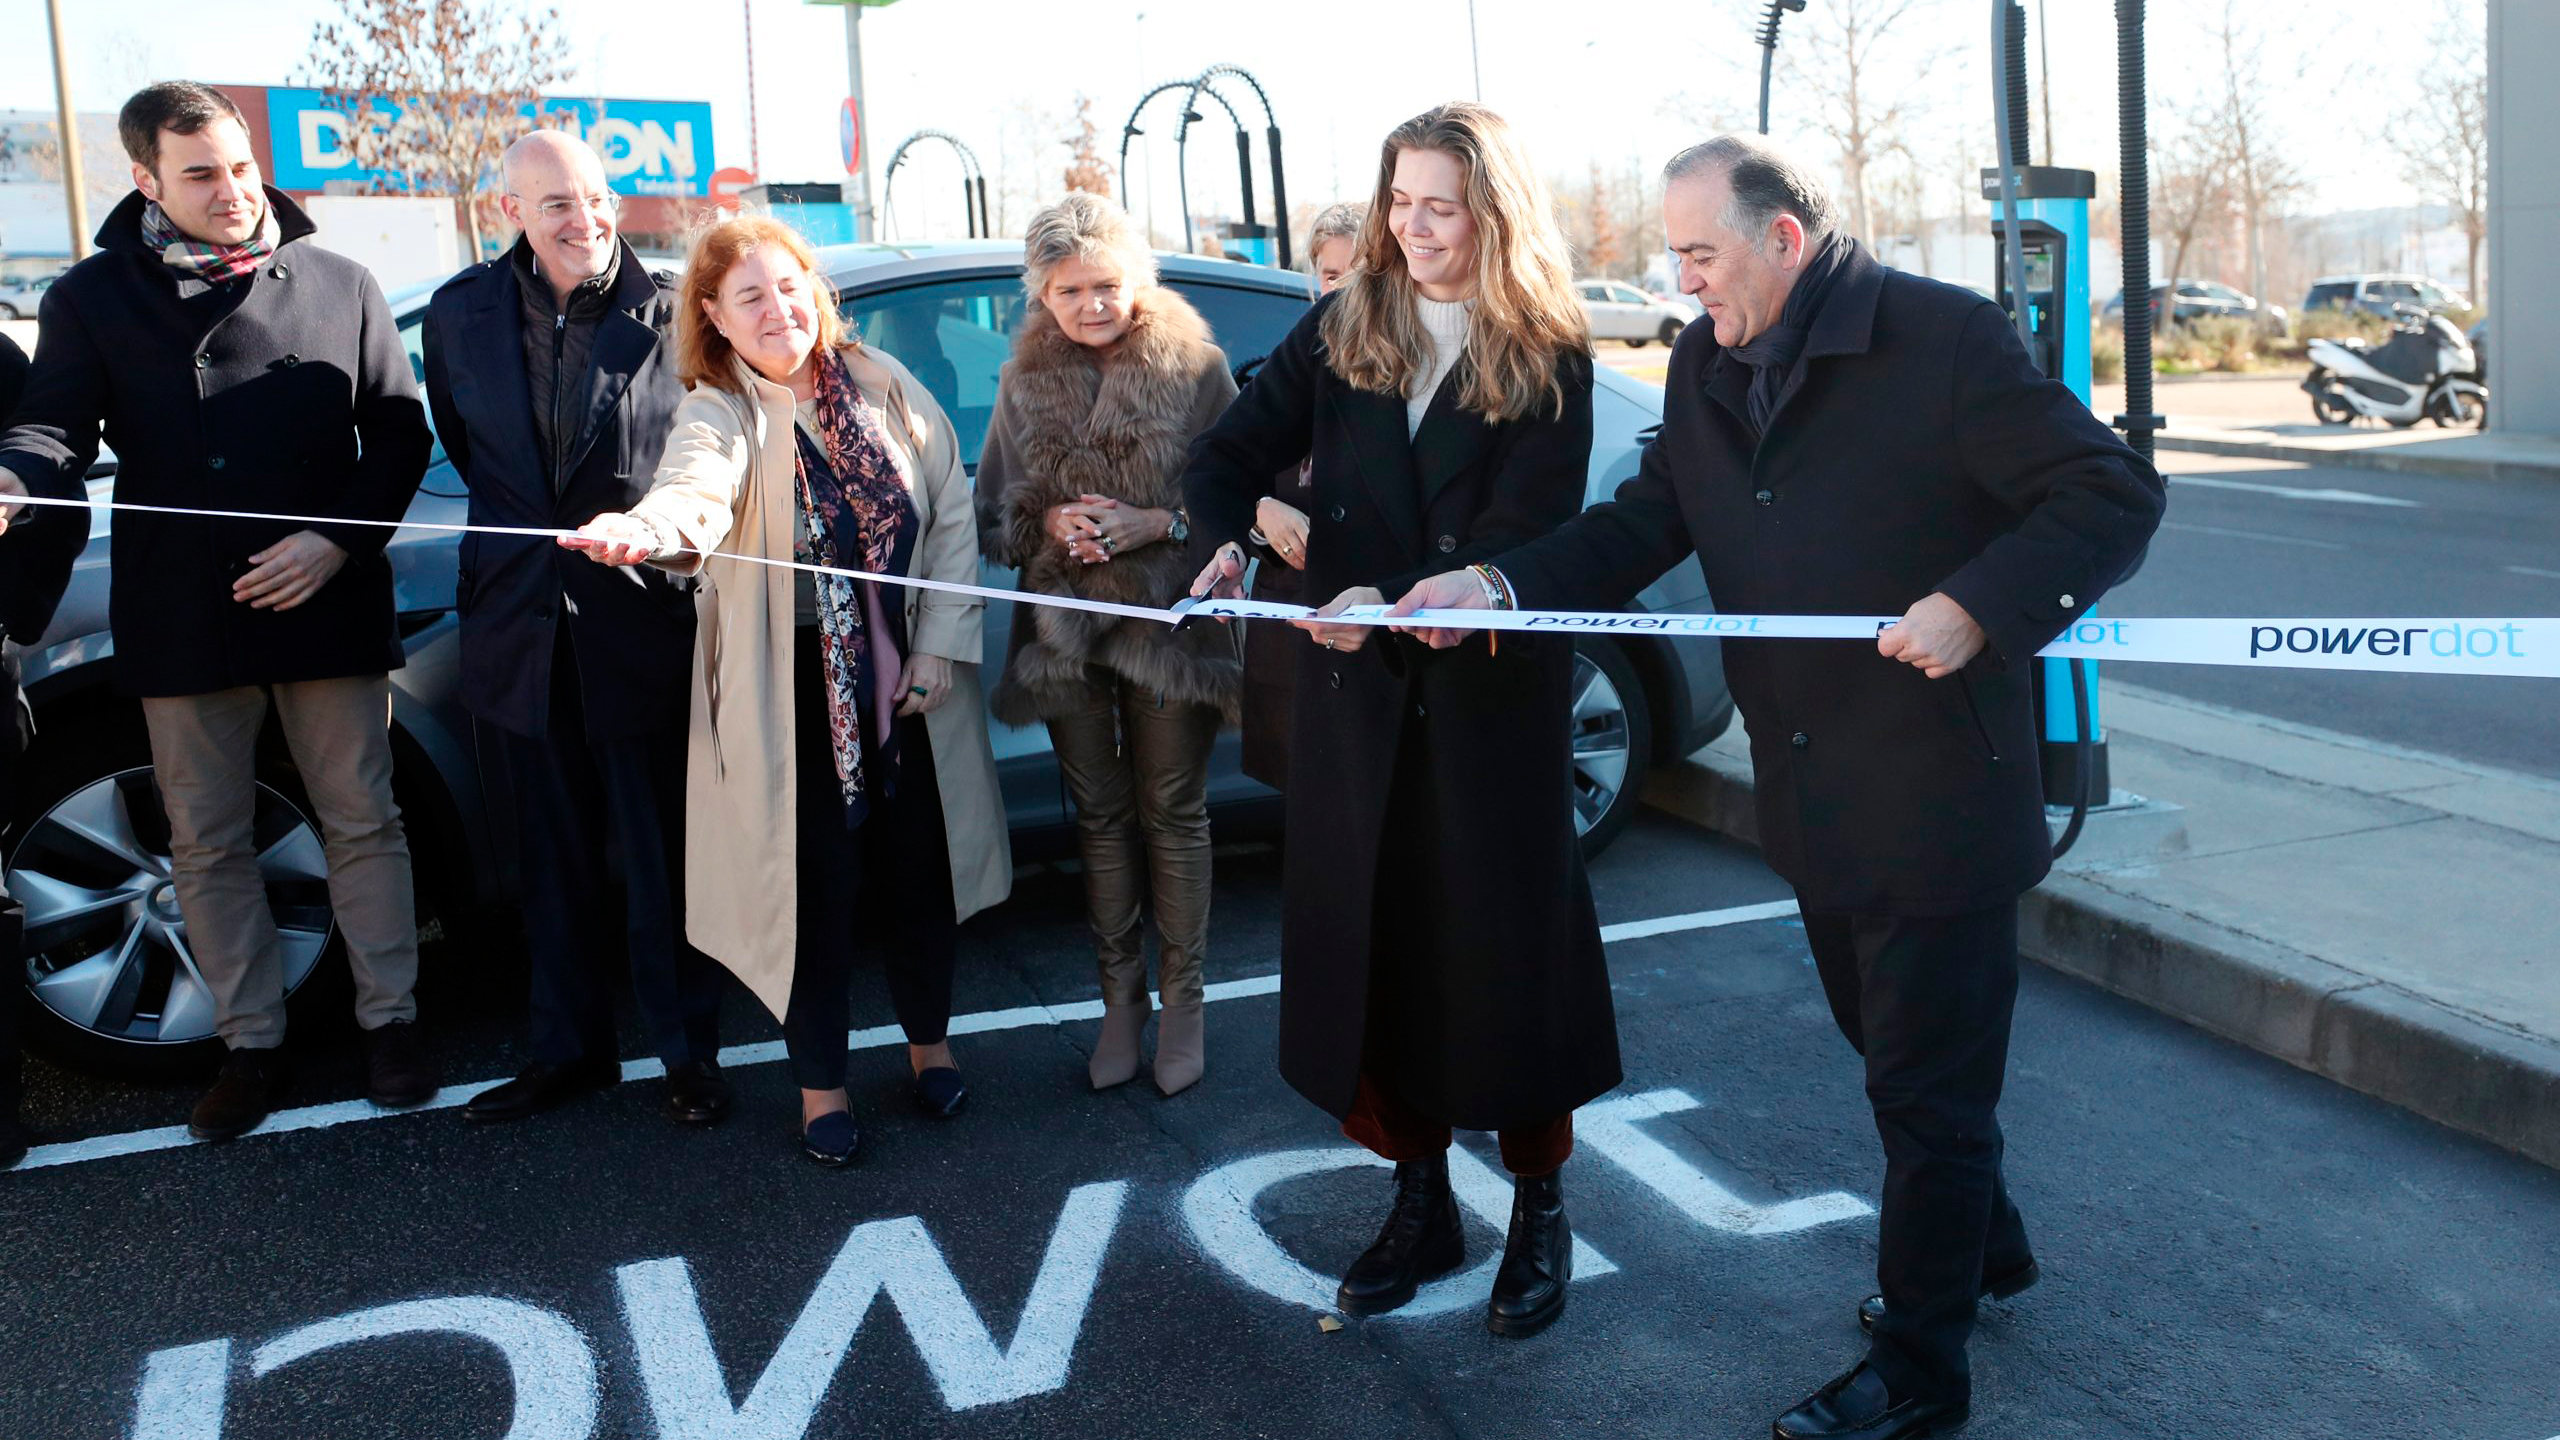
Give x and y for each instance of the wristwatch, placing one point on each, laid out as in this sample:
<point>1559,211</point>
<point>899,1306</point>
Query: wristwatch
<point>1179,532</point>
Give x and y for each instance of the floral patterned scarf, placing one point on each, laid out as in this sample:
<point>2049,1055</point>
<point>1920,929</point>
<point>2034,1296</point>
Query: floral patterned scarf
<point>853,517</point>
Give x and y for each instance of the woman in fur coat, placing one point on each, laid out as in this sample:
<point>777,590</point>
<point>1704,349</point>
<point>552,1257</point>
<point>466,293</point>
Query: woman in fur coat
<point>1080,488</point>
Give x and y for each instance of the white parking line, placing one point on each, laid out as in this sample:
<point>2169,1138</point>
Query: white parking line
<point>2546,575</point>
<point>767,1052</point>
<point>2251,535</point>
<point>2289,492</point>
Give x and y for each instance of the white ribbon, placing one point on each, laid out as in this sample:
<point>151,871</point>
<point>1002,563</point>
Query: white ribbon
<point>2468,646</point>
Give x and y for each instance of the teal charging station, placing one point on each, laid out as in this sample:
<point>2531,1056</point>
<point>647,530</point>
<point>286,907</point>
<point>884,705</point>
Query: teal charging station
<point>2053,244</point>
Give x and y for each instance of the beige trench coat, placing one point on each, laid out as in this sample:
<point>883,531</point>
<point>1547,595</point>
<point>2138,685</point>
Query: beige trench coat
<point>726,485</point>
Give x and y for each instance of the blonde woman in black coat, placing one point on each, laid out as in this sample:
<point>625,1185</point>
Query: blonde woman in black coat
<point>1441,959</point>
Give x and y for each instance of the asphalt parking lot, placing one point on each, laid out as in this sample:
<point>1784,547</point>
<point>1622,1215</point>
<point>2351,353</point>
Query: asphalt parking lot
<point>2230,1246</point>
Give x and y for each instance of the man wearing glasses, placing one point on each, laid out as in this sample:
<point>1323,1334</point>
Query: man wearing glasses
<point>553,395</point>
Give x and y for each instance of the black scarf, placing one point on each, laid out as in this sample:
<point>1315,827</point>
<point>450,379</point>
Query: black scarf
<point>1774,352</point>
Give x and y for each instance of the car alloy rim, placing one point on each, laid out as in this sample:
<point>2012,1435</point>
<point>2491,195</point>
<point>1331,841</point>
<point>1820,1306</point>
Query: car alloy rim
<point>1600,744</point>
<point>106,948</point>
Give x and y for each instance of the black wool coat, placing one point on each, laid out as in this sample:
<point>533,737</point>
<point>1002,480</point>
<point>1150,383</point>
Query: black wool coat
<point>1915,450</point>
<point>286,392</point>
<point>631,627</point>
<point>37,552</point>
<point>1438,926</point>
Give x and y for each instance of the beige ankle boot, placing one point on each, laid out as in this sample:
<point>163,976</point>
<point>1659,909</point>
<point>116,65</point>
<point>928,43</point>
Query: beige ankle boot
<point>1181,1048</point>
<point>1115,1053</point>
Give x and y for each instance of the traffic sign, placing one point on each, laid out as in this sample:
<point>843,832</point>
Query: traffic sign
<point>726,182</point>
<point>849,136</point>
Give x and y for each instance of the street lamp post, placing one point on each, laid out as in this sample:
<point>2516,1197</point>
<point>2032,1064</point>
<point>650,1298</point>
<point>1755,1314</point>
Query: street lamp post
<point>861,121</point>
<point>74,192</point>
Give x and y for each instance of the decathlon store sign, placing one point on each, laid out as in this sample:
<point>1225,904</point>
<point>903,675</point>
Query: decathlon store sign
<point>650,147</point>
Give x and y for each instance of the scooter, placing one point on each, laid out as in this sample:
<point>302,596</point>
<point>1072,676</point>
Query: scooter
<point>2425,371</point>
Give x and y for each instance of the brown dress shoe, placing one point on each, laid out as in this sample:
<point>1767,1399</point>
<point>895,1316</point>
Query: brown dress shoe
<point>248,1087</point>
<point>398,1072</point>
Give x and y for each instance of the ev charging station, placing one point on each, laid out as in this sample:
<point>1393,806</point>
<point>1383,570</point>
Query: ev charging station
<point>2053,255</point>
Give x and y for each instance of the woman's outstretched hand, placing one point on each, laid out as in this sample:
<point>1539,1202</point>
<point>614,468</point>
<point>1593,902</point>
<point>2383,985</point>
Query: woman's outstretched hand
<point>1342,637</point>
<point>614,538</point>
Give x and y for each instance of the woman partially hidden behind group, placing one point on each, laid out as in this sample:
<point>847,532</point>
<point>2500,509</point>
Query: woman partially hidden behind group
<point>840,792</point>
<point>1080,487</point>
<point>1441,959</point>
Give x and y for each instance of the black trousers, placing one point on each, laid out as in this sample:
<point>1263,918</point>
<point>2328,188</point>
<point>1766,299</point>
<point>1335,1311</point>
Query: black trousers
<point>573,795</point>
<point>1928,1003</point>
<point>898,860</point>
<point>13,986</point>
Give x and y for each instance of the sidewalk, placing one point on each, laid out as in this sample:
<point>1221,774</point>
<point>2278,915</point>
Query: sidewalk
<point>2269,417</point>
<point>2379,916</point>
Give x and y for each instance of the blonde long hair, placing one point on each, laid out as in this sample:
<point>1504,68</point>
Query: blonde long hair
<point>1526,314</point>
<point>702,352</point>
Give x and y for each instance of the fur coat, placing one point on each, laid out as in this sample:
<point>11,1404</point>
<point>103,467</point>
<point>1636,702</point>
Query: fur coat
<point>1069,422</point>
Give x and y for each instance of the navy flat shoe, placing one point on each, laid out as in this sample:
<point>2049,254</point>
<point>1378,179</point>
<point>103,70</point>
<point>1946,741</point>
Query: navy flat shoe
<point>832,1139</point>
<point>939,1093</point>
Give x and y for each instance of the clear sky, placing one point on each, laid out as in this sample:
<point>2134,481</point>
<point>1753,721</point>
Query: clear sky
<point>1614,82</point>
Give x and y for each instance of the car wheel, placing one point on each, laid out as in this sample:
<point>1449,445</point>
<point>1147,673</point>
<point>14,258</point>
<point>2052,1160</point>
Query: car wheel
<point>114,981</point>
<point>1612,743</point>
<point>8,312</point>
<point>1670,331</point>
<point>1633,342</point>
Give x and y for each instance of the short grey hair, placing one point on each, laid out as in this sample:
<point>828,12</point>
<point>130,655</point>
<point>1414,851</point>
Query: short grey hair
<point>1766,181</point>
<point>1339,221</point>
<point>1085,227</point>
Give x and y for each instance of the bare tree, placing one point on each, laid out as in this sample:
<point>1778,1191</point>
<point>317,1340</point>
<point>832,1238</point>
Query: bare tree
<point>434,91</point>
<point>2244,133</point>
<point>2443,136</point>
<point>2190,190</point>
<point>1839,62</point>
<point>1606,253</point>
<point>1086,169</point>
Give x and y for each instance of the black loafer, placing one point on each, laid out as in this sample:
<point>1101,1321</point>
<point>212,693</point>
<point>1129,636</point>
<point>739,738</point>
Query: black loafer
<point>1996,1285</point>
<point>832,1140</point>
<point>939,1093</point>
<point>1858,1406</point>
<point>697,1093</point>
<point>541,1086</point>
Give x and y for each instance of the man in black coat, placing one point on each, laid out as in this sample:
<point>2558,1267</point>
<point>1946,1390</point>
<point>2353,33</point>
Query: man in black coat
<point>1847,439</point>
<point>554,391</point>
<point>37,547</point>
<point>235,368</point>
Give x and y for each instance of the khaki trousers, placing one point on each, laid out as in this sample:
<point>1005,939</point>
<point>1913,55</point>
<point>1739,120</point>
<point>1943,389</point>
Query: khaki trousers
<point>1137,768</point>
<point>339,734</point>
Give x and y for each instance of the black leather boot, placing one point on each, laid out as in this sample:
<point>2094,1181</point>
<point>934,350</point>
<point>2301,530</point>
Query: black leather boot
<point>1537,1261</point>
<point>1422,1240</point>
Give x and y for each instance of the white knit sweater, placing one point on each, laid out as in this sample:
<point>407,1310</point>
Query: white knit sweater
<point>1445,322</point>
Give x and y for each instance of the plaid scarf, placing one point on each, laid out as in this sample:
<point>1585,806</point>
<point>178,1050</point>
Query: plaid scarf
<point>855,502</point>
<point>212,264</point>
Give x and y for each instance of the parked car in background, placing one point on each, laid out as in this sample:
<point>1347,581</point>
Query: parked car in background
<point>19,298</point>
<point>1620,311</point>
<point>2183,300</point>
<point>2381,294</point>
<point>114,987</point>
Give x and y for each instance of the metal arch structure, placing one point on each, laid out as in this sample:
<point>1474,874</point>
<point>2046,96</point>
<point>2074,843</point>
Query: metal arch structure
<point>1129,132</point>
<point>1206,83</point>
<point>973,180</point>
<point>1244,147</point>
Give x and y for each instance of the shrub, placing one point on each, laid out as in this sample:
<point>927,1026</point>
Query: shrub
<point>2330,323</point>
<point>2106,354</point>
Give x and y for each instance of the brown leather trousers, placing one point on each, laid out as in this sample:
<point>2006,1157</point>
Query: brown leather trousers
<point>1137,768</point>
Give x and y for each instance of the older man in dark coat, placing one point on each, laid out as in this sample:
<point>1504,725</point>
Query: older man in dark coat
<point>554,391</point>
<point>235,368</point>
<point>1848,439</point>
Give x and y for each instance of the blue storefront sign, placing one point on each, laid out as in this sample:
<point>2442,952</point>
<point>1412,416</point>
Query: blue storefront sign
<point>650,147</point>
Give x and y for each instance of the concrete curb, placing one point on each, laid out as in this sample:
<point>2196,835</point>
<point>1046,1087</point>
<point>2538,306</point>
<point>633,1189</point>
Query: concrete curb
<point>2370,1036</point>
<point>2394,459</point>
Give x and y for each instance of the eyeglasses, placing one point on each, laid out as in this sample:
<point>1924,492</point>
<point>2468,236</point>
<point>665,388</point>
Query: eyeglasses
<point>558,210</point>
